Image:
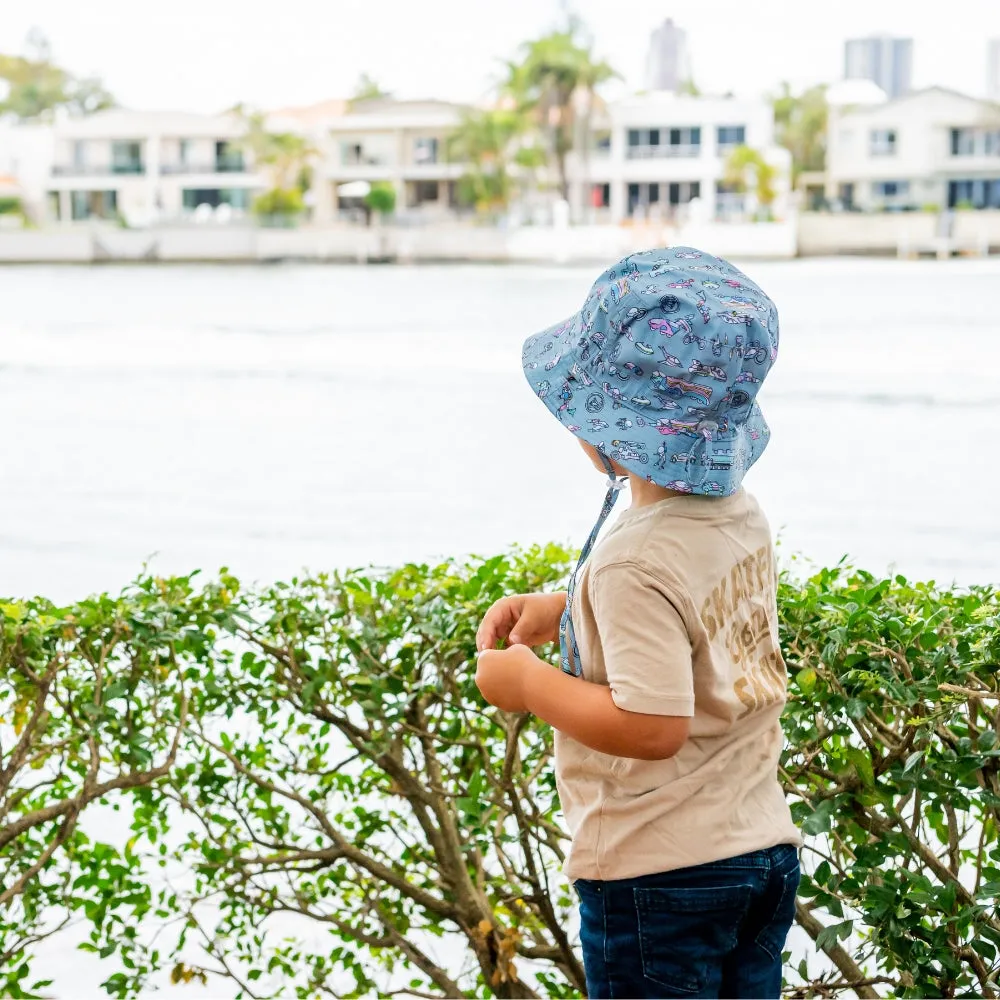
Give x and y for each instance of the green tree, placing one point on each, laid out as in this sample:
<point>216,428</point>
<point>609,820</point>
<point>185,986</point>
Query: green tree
<point>367,89</point>
<point>800,123</point>
<point>287,156</point>
<point>381,199</point>
<point>747,169</point>
<point>36,86</point>
<point>554,78</point>
<point>494,145</point>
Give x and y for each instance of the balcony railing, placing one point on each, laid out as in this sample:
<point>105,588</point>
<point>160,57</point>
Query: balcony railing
<point>103,170</point>
<point>233,166</point>
<point>353,160</point>
<point>662,152</point>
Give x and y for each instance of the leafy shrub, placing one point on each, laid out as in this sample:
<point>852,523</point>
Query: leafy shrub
<point>351,817</point>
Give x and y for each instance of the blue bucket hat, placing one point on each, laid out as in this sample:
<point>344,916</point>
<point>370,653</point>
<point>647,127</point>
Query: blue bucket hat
<point>659,371</point>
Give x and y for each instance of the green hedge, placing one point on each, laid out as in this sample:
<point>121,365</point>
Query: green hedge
<point>336,809</point>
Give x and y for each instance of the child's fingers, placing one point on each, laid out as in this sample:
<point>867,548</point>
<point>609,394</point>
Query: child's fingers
<point>496,624</point>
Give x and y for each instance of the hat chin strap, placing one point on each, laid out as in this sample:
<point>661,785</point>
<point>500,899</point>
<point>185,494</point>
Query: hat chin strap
<point>569,654</point>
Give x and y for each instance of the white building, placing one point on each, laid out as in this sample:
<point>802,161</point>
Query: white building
<point>26,151</point>
<point>150,166</point>
<point>658,155</point>
<point>886,61</point>
<point>403,143</point>
<point>668,65</point>
<point>933,147</point>
<point>993,70</point>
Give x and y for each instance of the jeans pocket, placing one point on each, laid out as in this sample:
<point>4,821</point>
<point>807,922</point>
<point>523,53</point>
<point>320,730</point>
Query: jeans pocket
<point>773,934</point>
<point>685,932</point>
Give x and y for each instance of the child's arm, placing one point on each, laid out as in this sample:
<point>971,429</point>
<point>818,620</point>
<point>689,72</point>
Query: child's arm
<point>529,619</point>
<point>518,681</point>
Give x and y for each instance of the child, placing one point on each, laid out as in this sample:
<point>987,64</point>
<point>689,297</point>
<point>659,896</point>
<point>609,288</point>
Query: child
<point>684,854</point>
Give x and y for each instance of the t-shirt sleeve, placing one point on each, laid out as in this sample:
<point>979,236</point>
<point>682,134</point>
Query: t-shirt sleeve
<point>646,646</point>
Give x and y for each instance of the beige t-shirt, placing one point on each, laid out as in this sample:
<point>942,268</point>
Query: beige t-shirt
<point>675,610</point>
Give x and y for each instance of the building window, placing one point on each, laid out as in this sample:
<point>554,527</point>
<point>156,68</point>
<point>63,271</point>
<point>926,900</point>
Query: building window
<point>93,205</point>
<point>645,143</point>
<point>993,143</point>
<point>79,155</point>
<point>424,192</point>
<point>642,198</point>
<point>683,192</point>
<point>728,136</point>
<point>602,141</point>
<point>890,189</point>
<point>883,142</point>
<point>228,157</point>
<point>600,195</point>
<point>126,157</point>
<point>237,198</point>
<point>729,202</point>
<point>686,141</point>
<point>845,195</point>
<point>183,152</point>
<point>425,150</point>
<point>974,193</point>
<point>963,142</point>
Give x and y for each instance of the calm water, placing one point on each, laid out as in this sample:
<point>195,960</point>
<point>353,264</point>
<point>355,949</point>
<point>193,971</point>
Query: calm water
<point>271,419</point>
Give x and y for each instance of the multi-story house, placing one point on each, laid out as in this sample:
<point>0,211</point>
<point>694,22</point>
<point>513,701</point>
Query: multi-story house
<point>933,147</point>
<point>655,154</point>
<point>404,143</point>
<point>147,167</point>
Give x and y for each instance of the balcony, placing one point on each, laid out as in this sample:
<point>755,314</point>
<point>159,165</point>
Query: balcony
<point>663,152</point>
<point>230,165</point>
<point>102,170</point>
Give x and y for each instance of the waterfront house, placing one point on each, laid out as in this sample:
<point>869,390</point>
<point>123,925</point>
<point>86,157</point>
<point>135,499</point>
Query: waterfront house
<point>931,149</point>
<point>654,156</point>
<point>150,166</point>
<point>382,140</point>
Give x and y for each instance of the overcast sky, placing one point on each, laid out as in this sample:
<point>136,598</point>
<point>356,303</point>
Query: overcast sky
<point>205,55</point>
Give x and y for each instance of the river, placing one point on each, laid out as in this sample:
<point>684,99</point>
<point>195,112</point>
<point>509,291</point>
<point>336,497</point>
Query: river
<point>272,419</point>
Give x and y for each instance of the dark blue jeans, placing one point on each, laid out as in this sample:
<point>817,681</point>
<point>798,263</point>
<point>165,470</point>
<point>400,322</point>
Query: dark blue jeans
<point>715,930</point>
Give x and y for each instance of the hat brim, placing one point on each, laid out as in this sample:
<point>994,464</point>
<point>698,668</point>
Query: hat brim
<point>660,441</point>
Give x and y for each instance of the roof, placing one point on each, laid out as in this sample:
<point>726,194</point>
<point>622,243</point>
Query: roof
<point>916,95</point>
<point>123,123</point>
<point>312,114</point>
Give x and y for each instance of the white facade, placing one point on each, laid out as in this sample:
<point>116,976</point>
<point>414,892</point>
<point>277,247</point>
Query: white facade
<point>668,65</point>
<point>934,147</point>
<point>993,70</point>
<point>404,143</point>
<point>662,156</point>
<point>886,61</point>
<point>147,167</point>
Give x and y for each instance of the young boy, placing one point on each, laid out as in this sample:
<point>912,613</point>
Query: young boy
<point>667,710</point>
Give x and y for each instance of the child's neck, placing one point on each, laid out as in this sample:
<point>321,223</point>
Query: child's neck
<point>645,493</point>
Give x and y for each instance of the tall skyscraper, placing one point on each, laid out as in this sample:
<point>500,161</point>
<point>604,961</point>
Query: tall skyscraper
<point>993,70</point>
<point>883,60</point>
<point>667,64</point>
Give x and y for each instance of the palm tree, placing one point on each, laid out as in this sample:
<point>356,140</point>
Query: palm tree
<point>557,74</point>
<point>800,122</point>
<point>746,169</point>
<point>489,142</point>
<point>287,155</point>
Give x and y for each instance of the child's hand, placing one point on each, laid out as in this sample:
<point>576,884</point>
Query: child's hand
<point>502,675</point>
<point>525,619</point>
